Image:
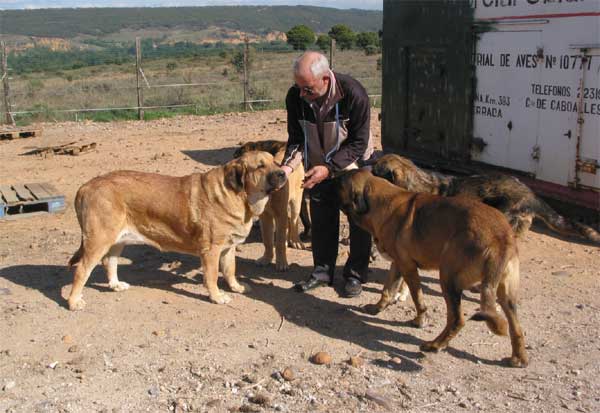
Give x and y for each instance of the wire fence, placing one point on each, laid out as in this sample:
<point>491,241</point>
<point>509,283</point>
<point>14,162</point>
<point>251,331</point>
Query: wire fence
<point>196,85</point>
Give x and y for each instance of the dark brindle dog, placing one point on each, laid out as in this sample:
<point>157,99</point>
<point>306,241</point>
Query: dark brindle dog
<point>468,241</point>
<point>509,195</point>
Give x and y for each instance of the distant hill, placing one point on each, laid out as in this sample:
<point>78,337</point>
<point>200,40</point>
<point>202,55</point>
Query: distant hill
<point>99,22</point>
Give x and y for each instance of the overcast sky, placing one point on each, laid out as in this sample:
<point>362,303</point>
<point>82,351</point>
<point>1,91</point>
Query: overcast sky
<point>42,4</point>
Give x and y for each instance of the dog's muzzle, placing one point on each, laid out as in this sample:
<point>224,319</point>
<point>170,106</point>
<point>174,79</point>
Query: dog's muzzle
<point>275,180</point>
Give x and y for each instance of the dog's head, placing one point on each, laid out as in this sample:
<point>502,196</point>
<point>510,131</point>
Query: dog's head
<point>256,174</point>
<point>271,146</point>
<point>401,172</point>
<point>353,193</point>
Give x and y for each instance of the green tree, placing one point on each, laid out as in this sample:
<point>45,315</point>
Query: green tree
<point>324,42</point>
<point>300,37</point>
<point>343,35</point>
<point>368,41</point>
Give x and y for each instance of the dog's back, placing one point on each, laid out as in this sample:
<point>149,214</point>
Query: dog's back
<point>272,146</point>
<point>506,193</point>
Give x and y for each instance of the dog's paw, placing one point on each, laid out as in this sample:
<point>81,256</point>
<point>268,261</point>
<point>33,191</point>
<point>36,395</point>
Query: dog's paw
<point>119,286</point>
<point>372,309</point>
<point>220,298</point>
<point>515,361</point>
<point>297,245</point>
<point>402,295</point>
<point>240,288</point>
<point>76,305</point>
<point>430,346</point>
<point>282,265</point>
<point>264,261</point>
<point>419,321</point>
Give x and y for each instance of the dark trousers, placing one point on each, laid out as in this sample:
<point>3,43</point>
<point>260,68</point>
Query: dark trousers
<point>325,217</point>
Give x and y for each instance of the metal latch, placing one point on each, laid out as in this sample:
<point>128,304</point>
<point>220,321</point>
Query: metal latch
<point>478,144</point>
<point>589,166</point>
<point>535,152</point>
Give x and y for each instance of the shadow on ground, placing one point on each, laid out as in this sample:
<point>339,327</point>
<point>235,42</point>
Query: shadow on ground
<point>339,319</point>
<point>211,157</point>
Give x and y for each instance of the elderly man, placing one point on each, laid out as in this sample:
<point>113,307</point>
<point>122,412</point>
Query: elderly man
<point>328,130</point>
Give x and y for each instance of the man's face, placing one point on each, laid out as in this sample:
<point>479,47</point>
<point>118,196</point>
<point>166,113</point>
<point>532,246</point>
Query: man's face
<point>311,87</point>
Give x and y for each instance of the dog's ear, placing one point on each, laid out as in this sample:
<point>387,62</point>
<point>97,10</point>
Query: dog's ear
<point>360,201</point>
<point>234,176</point>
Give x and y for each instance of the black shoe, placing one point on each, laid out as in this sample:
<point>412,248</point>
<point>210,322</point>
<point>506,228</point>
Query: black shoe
<point>309,284</point>
<point>353,287</point>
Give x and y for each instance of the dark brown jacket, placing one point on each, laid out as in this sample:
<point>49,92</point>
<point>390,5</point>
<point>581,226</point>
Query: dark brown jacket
<point>337,149</point>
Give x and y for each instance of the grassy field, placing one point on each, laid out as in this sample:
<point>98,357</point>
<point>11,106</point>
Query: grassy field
<point>112,86</point>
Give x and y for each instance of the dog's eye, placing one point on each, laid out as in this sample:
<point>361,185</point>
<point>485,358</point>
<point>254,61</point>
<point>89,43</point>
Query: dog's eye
<point>261,165</point>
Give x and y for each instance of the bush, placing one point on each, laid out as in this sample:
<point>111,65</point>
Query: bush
<point>323,42</point>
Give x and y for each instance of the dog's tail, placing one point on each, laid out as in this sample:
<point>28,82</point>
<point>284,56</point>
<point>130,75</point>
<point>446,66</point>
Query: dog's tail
<point>563,225</point>
<point>494,270</point>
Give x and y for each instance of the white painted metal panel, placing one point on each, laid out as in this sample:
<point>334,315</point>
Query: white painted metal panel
<point>546,101</point>
<point>506,65</point>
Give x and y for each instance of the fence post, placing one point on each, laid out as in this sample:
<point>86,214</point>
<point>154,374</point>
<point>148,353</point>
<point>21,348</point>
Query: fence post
<point>331,52</point>
<point>8,118</point>
<point>138,68</point>
<point>246,52</point>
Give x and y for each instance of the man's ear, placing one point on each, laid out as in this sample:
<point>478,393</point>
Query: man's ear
<point>234,176</point>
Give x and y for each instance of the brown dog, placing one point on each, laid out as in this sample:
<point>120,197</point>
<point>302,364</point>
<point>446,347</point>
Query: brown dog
<point>204,214</point>
<point>281,215</point>
<point>514,199</point>
<point>468,241</point>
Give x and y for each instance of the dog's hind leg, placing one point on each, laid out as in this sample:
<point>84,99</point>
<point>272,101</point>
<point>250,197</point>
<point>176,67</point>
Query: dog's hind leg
<point>507,296</point>
<point>493,272</point>
<point>92,251</point>
<point>455,320</point>
<point>227,267</point>
<point>110,262</point>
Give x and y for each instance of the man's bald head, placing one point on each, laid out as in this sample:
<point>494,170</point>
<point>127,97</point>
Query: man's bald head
<point>312,75</point>
<point>311,64</point>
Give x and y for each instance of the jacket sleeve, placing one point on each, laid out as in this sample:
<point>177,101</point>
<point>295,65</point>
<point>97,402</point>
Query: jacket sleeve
<point>294,151</point>
<point>359,124</point>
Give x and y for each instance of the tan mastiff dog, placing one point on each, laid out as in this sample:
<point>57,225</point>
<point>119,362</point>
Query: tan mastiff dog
<point>204,214</point>
<point>281,216</point>
<point>466,240</point>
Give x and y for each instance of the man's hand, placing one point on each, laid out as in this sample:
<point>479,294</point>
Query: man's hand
<point>315,175</point>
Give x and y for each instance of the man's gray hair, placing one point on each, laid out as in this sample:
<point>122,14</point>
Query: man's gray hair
<point>318,68</point>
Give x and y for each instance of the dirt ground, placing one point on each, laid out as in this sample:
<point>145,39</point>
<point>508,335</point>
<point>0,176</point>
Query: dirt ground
<point>161,346</point>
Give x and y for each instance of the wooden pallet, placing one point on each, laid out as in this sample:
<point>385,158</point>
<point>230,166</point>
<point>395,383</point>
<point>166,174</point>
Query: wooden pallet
<point>66,149</point>
<point>20,200</point>
<point>19,133</point>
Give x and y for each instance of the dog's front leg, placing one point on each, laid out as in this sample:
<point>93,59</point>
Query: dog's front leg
<point>390,289</point>
<point>227,267</point>
<point>210,260</point>
<point>266,232</point>
<point>281,229</point>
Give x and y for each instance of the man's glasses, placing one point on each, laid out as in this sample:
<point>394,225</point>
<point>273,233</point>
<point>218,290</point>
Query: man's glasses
<point>308,90</point>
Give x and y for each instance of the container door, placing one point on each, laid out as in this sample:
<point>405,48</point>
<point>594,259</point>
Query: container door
<point>506,120</point>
